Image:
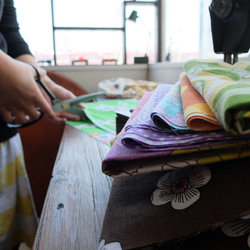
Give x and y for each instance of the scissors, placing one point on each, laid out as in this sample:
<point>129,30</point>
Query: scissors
<point>69,105</point>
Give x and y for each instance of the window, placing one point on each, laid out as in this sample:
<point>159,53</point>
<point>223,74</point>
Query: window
<point>92,30</point>
<point>188,32</point>
<point>36,26</point>
<point>165,30</point>
<point>141,35</point>
<point>88,13</point>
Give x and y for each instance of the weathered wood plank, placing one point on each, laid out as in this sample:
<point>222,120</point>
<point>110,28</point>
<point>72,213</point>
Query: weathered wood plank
<point>77,196</point>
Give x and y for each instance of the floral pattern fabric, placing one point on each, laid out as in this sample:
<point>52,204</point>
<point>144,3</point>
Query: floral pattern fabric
<point>238,227</point>
<point>172,181</point>
<point>110,246</point>
<point>180,187</point>
<point>181,208</point>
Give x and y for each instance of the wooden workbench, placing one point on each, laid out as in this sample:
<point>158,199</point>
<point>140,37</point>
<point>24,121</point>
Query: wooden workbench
<point>77,196</point>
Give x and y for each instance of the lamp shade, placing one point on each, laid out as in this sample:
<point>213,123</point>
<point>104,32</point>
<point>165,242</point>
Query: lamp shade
<point>133,16</point>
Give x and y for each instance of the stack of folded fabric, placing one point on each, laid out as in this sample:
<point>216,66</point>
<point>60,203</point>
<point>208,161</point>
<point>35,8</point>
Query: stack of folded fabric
<point>226,90</point>
<point>174,198</point>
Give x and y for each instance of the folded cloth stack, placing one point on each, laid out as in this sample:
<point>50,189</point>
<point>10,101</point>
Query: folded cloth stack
<point>143,147</point>
<point>226,89</point>
<point>163,132</point>
<point>174,198</point>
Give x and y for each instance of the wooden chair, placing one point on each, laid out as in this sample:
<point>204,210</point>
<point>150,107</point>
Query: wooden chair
<point>40,144</point>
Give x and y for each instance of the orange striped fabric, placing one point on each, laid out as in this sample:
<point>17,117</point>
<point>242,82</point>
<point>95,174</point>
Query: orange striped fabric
<point>197,114</point>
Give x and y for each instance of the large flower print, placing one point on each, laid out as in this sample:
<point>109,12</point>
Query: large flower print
<point>238,228</point>
<point>110,246</point>
<point>179,186</point>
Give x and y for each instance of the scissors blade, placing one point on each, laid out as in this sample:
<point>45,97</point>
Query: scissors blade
<point>70,105</point>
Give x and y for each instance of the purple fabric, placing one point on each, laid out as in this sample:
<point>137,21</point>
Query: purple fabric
<point>143,135</point>
<point>169,148</point>
<point>147,140</point>
<point>121,159</point>
<point>168,113</point>
<point>144,116</point>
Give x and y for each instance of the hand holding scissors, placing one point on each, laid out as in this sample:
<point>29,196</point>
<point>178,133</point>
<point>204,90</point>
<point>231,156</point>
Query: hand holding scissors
<point>69,105</point>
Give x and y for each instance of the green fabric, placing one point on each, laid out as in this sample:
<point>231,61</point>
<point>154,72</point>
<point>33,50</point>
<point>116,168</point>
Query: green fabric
<point>92,130</point>
<point>101,118</point>
<point>226,89</point>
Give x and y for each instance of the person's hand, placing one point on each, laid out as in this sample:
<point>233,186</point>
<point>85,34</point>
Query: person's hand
<point>60,93</point>
<point>20,95</point>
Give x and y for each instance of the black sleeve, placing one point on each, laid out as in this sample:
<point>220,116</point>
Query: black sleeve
<point>10,30</point>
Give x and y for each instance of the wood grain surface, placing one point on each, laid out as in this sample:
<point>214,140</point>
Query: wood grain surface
<point>77,196</point>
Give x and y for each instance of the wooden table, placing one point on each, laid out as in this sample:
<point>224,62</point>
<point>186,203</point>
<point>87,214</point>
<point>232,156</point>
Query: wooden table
<point>77,196</point>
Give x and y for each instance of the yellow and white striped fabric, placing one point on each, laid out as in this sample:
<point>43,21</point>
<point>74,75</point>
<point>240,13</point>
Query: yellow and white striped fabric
<point>18,218</point>
<point>226,90</point>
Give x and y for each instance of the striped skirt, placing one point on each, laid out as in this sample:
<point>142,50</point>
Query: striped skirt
<point>18,218</point>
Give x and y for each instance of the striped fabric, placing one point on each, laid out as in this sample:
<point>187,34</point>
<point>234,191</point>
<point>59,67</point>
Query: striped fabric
<point>226,89</point>
<point>18,219</point>
<point>197,114</point>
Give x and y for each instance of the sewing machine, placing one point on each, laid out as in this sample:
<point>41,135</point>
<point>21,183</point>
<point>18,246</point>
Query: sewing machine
<point>230,25</point>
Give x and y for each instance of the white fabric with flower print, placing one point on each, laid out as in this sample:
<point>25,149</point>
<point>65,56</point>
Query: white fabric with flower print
<point>110,246</point>
<point>238,228</point>
<point>179,186</point>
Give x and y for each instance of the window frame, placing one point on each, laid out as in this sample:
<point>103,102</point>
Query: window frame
<point>157,4</point>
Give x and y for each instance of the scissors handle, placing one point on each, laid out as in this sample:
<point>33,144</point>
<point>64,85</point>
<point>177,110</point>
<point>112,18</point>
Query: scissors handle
<point>69,105</point>
<point>45,88</point>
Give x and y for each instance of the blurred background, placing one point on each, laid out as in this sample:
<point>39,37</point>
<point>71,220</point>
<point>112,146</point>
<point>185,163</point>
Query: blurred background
<point>95,30</point>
